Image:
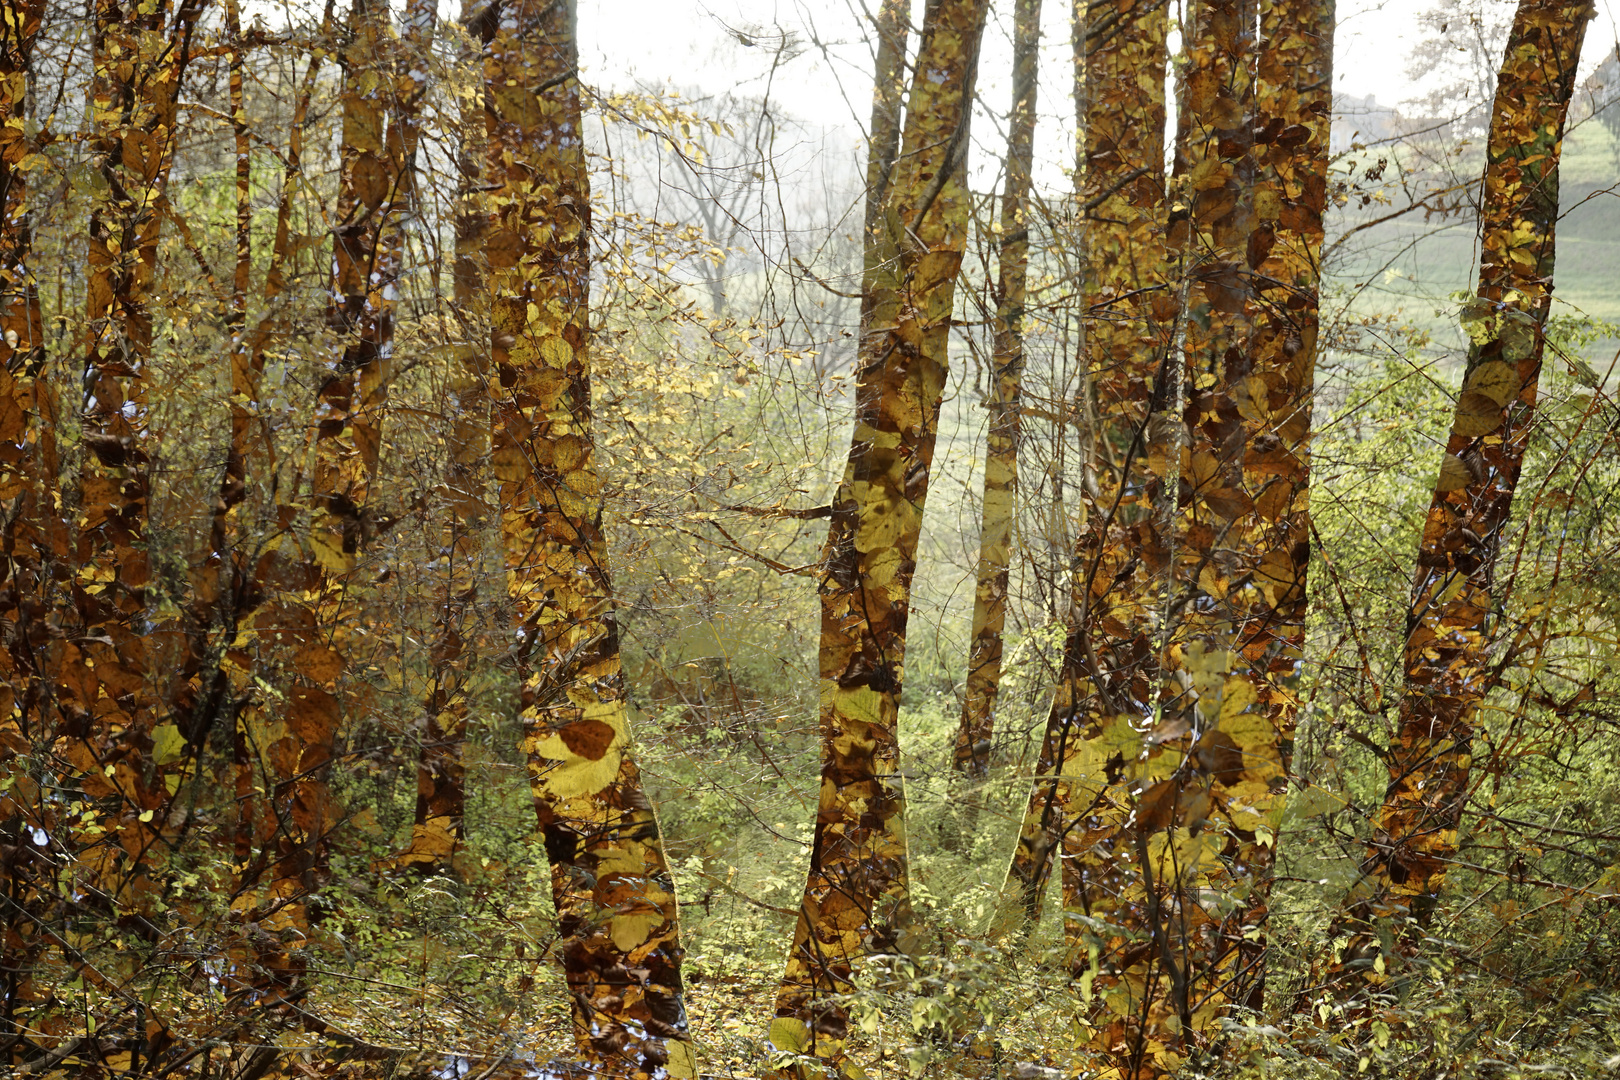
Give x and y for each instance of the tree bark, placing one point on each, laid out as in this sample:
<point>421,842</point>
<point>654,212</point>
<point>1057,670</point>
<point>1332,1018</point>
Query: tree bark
<point>1452,620</point>
<point>855,899</point>
<point>892,27</point>
<point>118,735</point>
<point>971,754</point>
<point>1211,799</point>
<point>1128,305</point>
<point>29,545</point>
<point>610,882</point>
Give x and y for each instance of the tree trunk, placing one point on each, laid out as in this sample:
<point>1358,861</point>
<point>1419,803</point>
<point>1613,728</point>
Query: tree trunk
<point>971,755</point>
<point>613,891</point>
<point>1452,620</point>
<point>124,748</point>
<point>1211,798</point>
<point>28,547</point>
<point>24,539</point>
<point>855,899</point>
<point>883,138</point>
<point>441,793</point>
<point>1078,802</point>
<point>316,607</point>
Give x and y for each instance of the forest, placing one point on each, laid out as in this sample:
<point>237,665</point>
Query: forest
<point>1100,561</point>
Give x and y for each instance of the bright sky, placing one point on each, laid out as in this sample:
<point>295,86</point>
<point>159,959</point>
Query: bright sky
<point>809,56</point>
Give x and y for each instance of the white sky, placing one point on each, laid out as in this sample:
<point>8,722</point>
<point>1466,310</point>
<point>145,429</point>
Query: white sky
<point>823,76</point>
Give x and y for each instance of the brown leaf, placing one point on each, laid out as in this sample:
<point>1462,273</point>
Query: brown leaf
<point>1219,755</point>
<point>588,738</point>
<point>1229,503</point>
<point>1156,807</point>
<point>318,662</point>
<point>312,715</point>
<point>1477,415</point>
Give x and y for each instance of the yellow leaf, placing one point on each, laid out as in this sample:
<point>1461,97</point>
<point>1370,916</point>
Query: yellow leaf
<point>682,1063</point>
<point>631,931</point>
<point>571,779</point>
<point>789,1034</point>
<point>167,744</point>
<point>1454,475</point>
<point>1495,380</point>
<point>556,352</point>
<point>859,703</point>
<point>1236,698</point>
<point>1267,204</point>
<point>1476,415</point>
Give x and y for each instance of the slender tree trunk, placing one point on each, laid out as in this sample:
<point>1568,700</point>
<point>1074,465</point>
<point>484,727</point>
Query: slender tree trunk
<point>1080,799</point>
<point>1452,622</point>
<point>114,730</point>
<point>612,887</point>
<point>855,898</point>
<point>883,139</point>
<point>441,798</point>
<point>318,608</point>
<point>971,755</point>
<point>26,544</point>
<point>252,454</point>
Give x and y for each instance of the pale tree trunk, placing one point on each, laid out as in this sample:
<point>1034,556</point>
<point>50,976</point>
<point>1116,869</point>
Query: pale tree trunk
<point>610,882</point>
<point>971,754</point>
<point>1451,623</point>
<point>855,900</point>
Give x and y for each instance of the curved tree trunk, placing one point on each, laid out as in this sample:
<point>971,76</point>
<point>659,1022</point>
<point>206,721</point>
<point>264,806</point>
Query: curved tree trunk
<point>612,887</point>
<point>1452,621</point>
<point>855,898</point>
